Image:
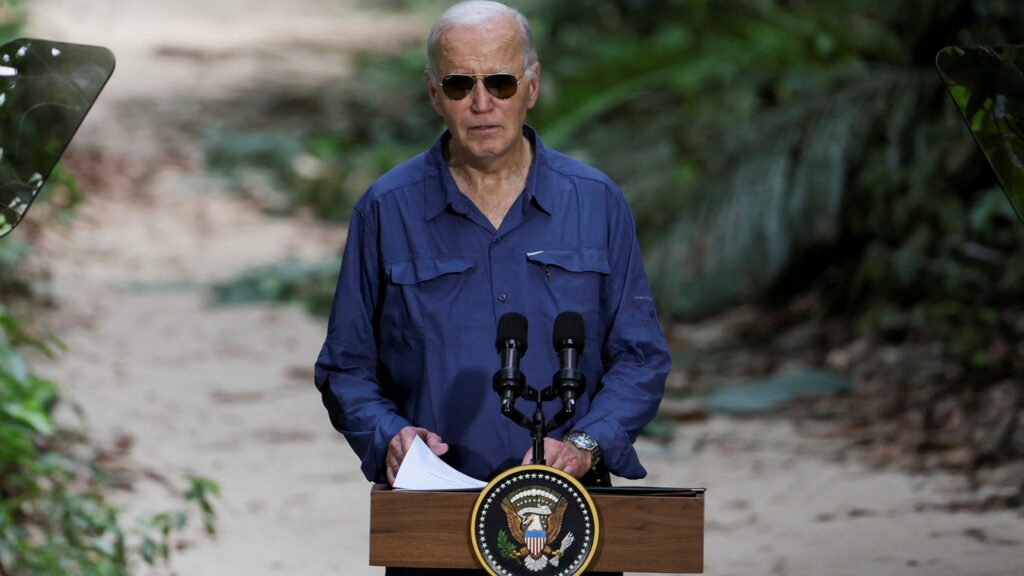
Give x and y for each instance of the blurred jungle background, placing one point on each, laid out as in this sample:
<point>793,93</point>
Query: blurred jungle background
<point>837,270</point>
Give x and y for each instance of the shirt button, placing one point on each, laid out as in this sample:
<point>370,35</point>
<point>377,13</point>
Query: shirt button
<point>497,239</point>
<point>502,297</point>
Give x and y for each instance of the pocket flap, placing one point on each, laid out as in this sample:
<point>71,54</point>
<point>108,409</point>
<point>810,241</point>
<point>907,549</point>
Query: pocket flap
<point>422,269</point>
<point>582,260</point>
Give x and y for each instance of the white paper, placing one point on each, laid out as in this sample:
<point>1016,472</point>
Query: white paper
<point>423,470</point>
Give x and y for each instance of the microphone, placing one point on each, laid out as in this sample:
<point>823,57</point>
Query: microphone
<point>569,381</point>
<point>511,346</point>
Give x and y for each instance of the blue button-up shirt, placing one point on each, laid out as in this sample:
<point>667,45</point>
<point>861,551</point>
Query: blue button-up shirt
<point>425,278</point>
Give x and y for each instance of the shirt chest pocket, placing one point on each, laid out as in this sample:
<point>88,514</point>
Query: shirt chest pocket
<point>426,298</point>
<point>575,279</point>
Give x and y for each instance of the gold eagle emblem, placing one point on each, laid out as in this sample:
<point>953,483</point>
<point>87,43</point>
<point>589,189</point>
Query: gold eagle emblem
<point>534,516</point>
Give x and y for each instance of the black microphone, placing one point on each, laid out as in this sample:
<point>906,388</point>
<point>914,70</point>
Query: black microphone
<point>569,381</point>
<point>511,346</point>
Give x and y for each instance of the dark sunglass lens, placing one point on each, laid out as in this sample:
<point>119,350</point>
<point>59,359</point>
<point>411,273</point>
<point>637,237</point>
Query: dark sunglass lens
<point>501,85</point>
<point>457,86</point>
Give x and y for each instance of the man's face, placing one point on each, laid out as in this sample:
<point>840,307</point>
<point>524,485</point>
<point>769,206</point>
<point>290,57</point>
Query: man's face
<point>483,126</point>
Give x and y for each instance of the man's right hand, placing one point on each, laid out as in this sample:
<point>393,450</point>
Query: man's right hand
<point>400,444</point>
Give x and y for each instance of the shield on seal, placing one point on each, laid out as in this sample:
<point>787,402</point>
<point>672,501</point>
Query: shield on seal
<point>537,536</point>
<point>535,540</point>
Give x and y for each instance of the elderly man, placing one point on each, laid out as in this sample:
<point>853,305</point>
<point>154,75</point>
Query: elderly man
<point>488,221</point>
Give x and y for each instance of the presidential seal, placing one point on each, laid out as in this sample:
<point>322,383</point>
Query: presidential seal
<point>534,521</point>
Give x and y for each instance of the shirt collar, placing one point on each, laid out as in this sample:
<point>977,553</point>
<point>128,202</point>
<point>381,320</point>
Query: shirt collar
<point>442,192</point>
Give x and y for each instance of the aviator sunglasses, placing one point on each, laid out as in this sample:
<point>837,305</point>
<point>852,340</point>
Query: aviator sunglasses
<point>458,86</point>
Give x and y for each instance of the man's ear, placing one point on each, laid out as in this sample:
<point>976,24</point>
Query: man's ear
<point>434,95</point>
<point>533,85</point>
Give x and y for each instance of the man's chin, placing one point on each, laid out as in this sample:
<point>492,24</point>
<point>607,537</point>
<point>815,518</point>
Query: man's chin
<point>486,149</point>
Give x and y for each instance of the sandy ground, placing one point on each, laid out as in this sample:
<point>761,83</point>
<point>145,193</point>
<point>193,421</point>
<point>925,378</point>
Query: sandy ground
<point>227,392</point>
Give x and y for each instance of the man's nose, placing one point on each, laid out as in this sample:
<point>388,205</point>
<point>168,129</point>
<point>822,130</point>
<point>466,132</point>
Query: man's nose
<point>482,100</point>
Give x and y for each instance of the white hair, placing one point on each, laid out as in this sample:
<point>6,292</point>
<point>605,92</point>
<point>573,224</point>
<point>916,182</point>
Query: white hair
<point>475,13</point>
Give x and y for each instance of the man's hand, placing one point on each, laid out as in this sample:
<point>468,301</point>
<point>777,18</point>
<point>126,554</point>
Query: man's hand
<point>565,456</point>
<point>400,444</point>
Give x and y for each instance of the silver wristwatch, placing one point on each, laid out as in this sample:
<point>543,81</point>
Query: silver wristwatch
<point>585,441</point>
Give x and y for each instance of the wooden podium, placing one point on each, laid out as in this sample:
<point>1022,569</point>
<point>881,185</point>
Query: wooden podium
<point>642,529</point>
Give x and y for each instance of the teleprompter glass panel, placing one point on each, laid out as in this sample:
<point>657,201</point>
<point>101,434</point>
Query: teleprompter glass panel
<point>46,89</point>
<point>987,84</point>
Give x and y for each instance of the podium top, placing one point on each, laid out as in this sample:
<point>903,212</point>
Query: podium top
<point>603,490</point>
<point>647,491</point>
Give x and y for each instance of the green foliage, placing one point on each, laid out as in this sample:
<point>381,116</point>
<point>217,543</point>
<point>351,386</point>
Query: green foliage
<point>46,527</point>
<point>54,519</point>
<point>387,121</point>
<point>740,129</point>
<point>287,281</point>
<point>157,531</point>
<point>988,87</point>
<point>60,196</point>
<point>201,492</point>
<point>12,15</point>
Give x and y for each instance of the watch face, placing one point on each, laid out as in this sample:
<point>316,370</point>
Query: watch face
<point>534,520</point>
<point>586,442</point>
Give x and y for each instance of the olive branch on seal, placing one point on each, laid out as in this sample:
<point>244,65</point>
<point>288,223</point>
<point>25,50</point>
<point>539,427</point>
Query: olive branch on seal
<point>505,546</point>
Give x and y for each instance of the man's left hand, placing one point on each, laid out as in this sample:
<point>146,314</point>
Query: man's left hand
<point>564,456</point>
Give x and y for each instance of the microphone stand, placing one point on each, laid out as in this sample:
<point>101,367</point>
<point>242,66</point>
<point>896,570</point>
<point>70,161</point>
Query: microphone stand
<point>564,386</point>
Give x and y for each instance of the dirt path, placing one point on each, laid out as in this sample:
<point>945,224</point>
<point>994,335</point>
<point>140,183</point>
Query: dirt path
<point>227,392</point>
<point>223,392</point>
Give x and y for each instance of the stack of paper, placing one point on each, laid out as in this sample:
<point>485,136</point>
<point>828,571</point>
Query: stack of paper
<point>423,470</point>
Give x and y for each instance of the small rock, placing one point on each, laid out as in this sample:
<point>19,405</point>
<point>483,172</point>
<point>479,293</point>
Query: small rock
<point>778,390</point>
<point>1007,476</point>
<point>1018,435</point>
<point>953,425</point>
<point>996,416</point>
<point>959,458</point>
<point>912,433</point>
<point>800,337</point>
